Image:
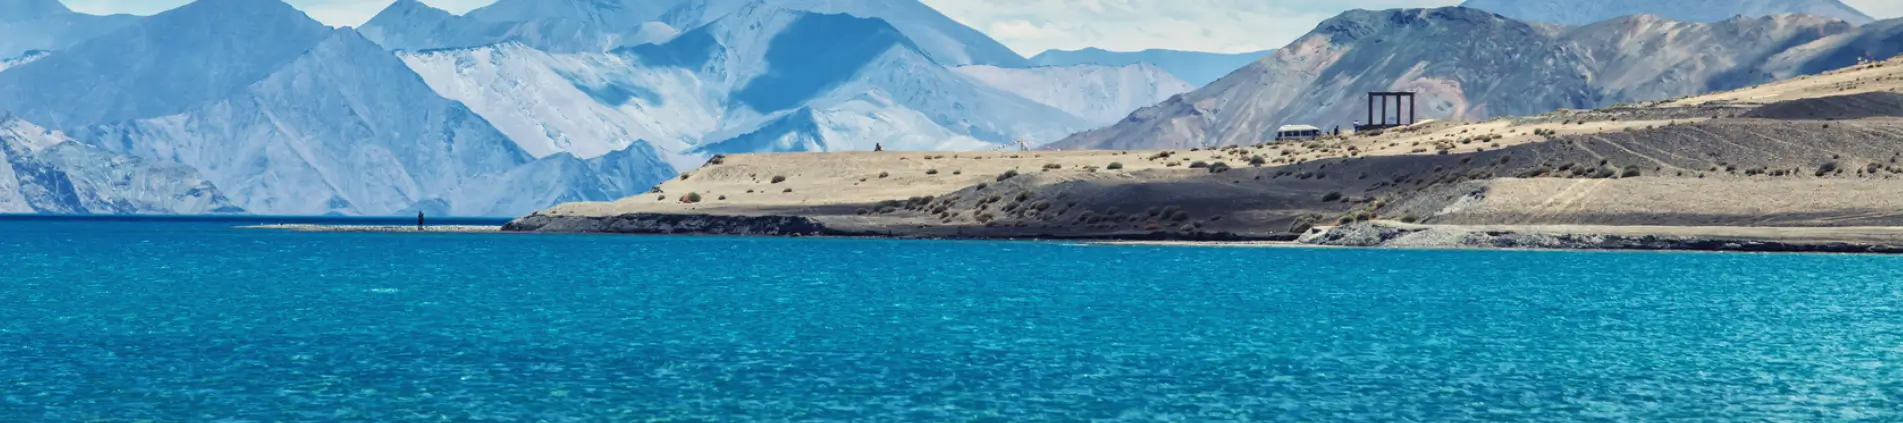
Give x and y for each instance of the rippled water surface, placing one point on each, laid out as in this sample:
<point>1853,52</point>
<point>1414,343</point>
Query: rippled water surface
<point>193,321</point>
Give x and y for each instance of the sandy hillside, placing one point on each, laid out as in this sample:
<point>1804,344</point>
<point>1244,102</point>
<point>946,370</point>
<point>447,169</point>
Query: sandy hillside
<point>1797,153</point>
<point>744,184</point>
<point>1882,76</point>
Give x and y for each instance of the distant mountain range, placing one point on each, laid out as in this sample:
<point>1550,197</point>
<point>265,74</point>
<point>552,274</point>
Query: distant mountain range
<point>1196,68</point>
<point>1470,64</point>
<point>1575,12</point>
<point>284,115</point>
<point>225,106</point>
<point>27,25</point>
<point>42,171</point>
<point>524,104</point>
<point>732,77</point>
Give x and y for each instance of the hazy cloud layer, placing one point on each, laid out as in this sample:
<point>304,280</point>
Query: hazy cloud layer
<point>1032,26</point>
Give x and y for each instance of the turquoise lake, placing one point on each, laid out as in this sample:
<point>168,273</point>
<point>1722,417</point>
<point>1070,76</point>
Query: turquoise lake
<point>194,321</point>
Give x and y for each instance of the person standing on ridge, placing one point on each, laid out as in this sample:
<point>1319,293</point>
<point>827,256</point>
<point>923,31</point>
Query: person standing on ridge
<point>419,221</point>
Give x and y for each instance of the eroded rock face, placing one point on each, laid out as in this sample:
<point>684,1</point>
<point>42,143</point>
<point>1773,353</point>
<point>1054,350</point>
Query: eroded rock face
<point>669,224</point>
<point>1470,64</point>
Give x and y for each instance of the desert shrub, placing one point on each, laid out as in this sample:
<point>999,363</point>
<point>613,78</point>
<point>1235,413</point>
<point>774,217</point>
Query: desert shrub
<point>787,191</point>
<point>692,197</point>
<point>958,172</point>
<point>1826,169</point>
<point>1258,161</point>
<point>1332,197</point>
<point>722,198</point>
<point>1008,175</point>
<point>1053,166</point>
<point>1218,167</point>
<point>779,179</point>
<point>883,175</point>
<point>931,172</point>
<point>1603,173</point>
<point>1304,224</point>
<point>1024,195</point>
<point>1178,215</point>
<point>1114,166</point>
<point>718,159</point>
<point>1630,172</point>
<point>684,176</point>
<point>1198,165</point>
<point>1410,218</point>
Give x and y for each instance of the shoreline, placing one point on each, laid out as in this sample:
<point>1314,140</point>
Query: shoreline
<point>1369,235</point>
<point>1374,235</point>
<point>438,229</point>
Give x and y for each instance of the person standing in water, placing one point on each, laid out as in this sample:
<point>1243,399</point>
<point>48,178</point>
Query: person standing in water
<point>419,221</point>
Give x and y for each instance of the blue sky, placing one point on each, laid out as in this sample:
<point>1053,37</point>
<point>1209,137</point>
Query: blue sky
<point>1032,26</point>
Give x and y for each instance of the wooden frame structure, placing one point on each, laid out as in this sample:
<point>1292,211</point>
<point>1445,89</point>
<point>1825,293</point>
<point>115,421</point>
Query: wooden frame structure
<point>1404,110</point>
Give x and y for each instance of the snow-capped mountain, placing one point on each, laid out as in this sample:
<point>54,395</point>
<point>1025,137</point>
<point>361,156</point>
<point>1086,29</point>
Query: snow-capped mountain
<point>749,71</point>
<point>160,65</point>
<point>1099,94</point>
<point>601,12</point>
<point>937,36</point>
<point>557,179</point>
<point>1195,67</point>
<point>344,129</point>
<point>288,116</point>
<point>564,26</point>
<point>29,57</point>
<point>42,171</point>
<point>586,104</point>
<point>27,25</point>
<point>412,25</point>
<point>1578,12</point>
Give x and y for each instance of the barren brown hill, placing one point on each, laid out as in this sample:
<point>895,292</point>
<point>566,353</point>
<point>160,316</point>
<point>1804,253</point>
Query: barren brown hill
<point>1468,64</point>
<point>1814,158</point>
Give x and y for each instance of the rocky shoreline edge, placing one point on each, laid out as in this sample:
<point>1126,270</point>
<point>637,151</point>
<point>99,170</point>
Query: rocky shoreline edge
<point>440,229</point>
<point>1399,235</point>
<point>1377,234</point>
<point>800,226</point>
